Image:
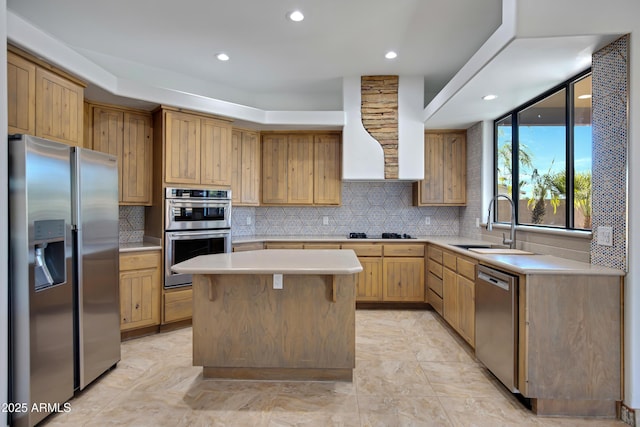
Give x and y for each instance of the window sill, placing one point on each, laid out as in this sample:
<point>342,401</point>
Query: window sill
<point>546,230</point>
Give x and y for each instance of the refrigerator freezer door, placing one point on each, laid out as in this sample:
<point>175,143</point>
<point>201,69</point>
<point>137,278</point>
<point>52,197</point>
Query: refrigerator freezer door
<point>41,316</point>
<point>95,217</point>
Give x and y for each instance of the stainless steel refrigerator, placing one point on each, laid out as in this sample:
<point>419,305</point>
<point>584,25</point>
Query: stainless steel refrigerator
<point>64,298</point>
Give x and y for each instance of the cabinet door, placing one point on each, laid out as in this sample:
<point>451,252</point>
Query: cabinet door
<point>450,297</point>
<point>108,128</point>
<point>245,168</point>
<point>327,185</point>
<point>403,279</point>
<point>432,186</point>
<point>300,170</point>
<point>59,108</point>
<point>274,169</point>
<point>139,298</point>
<point>467,309</point>
<point>215,152</point>
<point>178,305</point>
<point>135,160</point>
<point>21,95</point>
<point>236,167</point>
<point>182,148</point>
<point>455,168</point>
<point>369,280</point>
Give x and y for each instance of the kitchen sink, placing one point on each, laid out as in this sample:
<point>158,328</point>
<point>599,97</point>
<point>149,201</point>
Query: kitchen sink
<point>472,246</point>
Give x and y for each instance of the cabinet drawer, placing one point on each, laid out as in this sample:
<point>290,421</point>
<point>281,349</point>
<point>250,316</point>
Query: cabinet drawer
<point>435,301</point>
<point>435,283</point>
<point>467,269</point>
<point>321,246</point>
<point>449,261</point>
<point>404,250</point>
<point>363,249</point>
<point>435,254</point>
<point>435,268</point>
<point>139,260</point>
<point>253,246</point>
<point>284,245</point>
<point>178,305</point>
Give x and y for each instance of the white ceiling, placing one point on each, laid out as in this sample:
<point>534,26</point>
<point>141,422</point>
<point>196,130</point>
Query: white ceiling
<point>275,64</point>
<point>465,49</point>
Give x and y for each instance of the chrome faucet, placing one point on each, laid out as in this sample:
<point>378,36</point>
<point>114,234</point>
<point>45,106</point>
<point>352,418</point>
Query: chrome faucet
<point>512,237</point>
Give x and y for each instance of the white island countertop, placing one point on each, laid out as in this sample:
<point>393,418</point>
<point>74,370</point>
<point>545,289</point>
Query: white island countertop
<point>274,261</point>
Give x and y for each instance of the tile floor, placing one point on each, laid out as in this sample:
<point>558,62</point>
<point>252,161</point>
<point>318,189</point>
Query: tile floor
<point>411,370</point>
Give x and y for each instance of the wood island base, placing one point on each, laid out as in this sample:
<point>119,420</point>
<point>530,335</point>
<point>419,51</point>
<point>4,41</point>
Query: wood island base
<point>243,328</point>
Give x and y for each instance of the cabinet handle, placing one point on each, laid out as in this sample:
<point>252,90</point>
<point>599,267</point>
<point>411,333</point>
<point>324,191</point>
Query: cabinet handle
<point>137,306</point>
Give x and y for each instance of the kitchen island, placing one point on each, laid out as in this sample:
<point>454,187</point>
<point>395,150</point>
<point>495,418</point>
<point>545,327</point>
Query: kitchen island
<point>274,314</point>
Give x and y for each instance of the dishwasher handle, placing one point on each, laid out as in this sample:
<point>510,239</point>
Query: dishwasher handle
<point>493,281</point>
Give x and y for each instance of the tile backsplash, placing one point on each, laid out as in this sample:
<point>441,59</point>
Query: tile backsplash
<point>131,224</point>
<point>367,207</point>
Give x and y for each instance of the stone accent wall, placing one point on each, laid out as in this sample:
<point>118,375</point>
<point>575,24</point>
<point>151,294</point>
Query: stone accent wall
<point>379,109</point>
<point>610,73</point>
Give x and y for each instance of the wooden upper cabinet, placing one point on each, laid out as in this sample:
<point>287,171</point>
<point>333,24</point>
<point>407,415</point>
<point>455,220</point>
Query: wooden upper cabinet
<point>245,168</point>
<point>41,102</point>
<point>300,170</point>
<point>108,127</point>
<point>327,186</point>
<point>274,169</point>
<point>182,148</point>
<point>197,150</point>
<point>21,95</point>
<point>455,168</point>
<point>215,152</point>
<point>445,170</point>
<point>136,159</point>
<point>59,108</point>
<point>128,136</point>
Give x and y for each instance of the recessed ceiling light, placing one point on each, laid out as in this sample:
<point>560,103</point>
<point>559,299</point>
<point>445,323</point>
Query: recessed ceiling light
<point>391,55</point>
<point>296,16</point>
<point>585,96</point>
<point>222,57</point>
<point>489,97</point>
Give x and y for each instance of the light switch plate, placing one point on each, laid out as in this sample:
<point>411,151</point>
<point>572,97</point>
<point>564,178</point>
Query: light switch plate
<point>277,281</point>
<point>605,236</point>
<point>248,220</point>
<point>427,220</point>
<point>325,220</point>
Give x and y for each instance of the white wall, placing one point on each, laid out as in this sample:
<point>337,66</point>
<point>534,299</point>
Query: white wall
<point>4,226</point>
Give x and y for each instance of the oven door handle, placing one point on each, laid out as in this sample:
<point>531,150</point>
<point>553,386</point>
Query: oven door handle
<point>198,202</point>
<point>198,233</point>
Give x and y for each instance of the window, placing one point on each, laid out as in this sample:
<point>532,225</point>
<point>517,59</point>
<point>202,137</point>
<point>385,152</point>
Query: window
<point>549,178</point>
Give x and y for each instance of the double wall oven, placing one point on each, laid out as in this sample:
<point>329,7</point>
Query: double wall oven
<point>197,222</point>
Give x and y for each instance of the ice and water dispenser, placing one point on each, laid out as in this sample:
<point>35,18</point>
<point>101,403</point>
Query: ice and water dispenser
<point>49,246</point>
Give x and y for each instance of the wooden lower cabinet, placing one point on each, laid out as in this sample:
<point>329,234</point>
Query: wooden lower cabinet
<point>451,290</point>
<point>403,279</point>
<point>369,281</point>
<point>178,305</point>
<point>139,289</point>
<point>249,246</point>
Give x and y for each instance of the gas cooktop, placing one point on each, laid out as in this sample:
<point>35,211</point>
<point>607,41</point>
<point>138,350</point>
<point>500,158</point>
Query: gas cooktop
<point>384,236</point>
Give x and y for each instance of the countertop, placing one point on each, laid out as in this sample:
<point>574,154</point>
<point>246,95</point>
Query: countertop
<point>147,245</point>
<point>520,264</point>
<point>274,261</point>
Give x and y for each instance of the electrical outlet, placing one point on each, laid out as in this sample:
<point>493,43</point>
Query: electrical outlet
<point>277,281</point>
<point>605,236</point>
<point>248,220</point>
<point>325,220</point>
<point>427,220</point>
<point>477,222</point>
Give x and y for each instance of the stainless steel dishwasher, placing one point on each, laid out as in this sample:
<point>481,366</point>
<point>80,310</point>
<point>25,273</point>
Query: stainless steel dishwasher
<point>497,324</point>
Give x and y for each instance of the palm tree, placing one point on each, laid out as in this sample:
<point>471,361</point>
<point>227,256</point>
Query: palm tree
<point>581,192</point>
<point>544,185</point>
